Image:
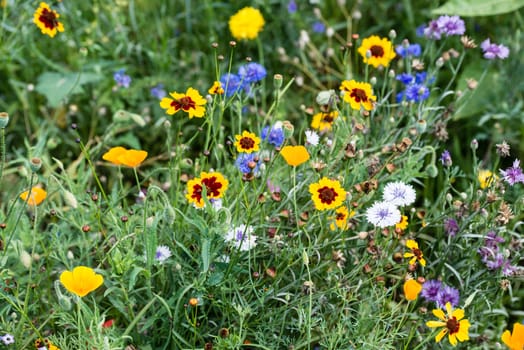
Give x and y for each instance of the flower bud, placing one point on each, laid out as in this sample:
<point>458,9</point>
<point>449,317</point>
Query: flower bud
<point>35,164</point>
<point>392,34</point>
<point>277,81</point>
<point>4,119</point>
<point>431,170</point>
<point>421,126</point>
<point>474,145</point>
<point>288,129</point>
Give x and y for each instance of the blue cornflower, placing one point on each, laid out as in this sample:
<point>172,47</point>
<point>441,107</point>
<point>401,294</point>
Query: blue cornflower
<point>413,50</point>
<point>252,73</point>
<point>451,227</point>
<point>231,83</point>
<point>248,163</point>
<point>451,25</point>
<point>405,78</point>
<point>318,27</point>
<point>416,93</point>
<point>158,91</point>
<point>448,294</point>
<point>292,6</point>
<point>445,158</point>
<point>275,136</point>
<point>416,89</point>
<point>121,78</point>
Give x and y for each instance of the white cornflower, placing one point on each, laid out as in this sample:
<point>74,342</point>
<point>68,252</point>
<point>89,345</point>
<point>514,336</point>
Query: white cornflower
<point>383,214</point>
<point>162,253</point>
<point>312,137</point>
<point>7,339</point>
<point>242,237</point>
<point>398,193</point>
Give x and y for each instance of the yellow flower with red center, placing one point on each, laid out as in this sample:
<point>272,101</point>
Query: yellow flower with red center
<point>403,224</point>
<point>295,155</point>
<point>247,142</point>
<point>46,343</point>
<point>216,89</point>
<point>323,121</point>
<point>452,323</point>
<point>412,289</point>
<point>246,23</point>
<point>190,102</point>
<point>214,184</point>
<point>341,218</point>
<point>415,254</point>
<point>377,51</point>
<point>486,178</point>
<point>35,197</point>
<point>358,94</point>
<point>47,20</point>
<point>81,281</point>
<point>515,340</point>
<point>327,194</point>
<point>128,157</point>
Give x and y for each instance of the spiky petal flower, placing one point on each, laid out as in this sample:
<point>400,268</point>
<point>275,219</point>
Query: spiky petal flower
<point>513,174</point>
<point>399,193</point>
<point>383,214</point>
<point>452,323</point>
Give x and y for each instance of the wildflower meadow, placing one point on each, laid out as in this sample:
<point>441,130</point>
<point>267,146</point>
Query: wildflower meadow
<point>266,174</point>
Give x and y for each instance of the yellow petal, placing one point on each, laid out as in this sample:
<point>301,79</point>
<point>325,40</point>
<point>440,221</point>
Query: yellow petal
<point>439,314</point>
<point>449,309</point>
<point>435,324</point>
<point>132,157</point>
<point>453,339</point>
<point>458,314</point>
<point>506,338</point>
<point>412,289</point>
<point>518,334</point>
<point>441,335</point>
<point>422,261</point>
<point>113,154</point>
<point>411,244</point>
<point>408,255</point>
<point>165,102</point>
<point>463,333</point>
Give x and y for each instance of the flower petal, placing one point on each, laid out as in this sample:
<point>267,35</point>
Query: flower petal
<point>441,335</point>
<point>458,314</point>
<point>435,324</point>
<point>440,314</point>
<point>411,244</point>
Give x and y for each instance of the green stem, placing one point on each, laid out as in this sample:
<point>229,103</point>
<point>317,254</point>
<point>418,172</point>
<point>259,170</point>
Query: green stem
<point>2,155</point>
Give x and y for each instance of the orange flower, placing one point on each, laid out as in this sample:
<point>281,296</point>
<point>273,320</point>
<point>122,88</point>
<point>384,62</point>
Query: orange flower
<point>515,340</point>
<point>294,155</point>
<point>121,156</point>
<point>113,154</point>
<point>36,197</point>
<point>412,289</point>
<point>81,281</point>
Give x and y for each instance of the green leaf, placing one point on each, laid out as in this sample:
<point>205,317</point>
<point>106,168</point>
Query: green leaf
<point>57,86</point>
<point>472,8</point>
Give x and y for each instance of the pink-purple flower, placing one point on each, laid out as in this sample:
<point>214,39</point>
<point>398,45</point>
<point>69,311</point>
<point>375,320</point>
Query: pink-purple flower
<point>492,50</point>
<point>513,174</point>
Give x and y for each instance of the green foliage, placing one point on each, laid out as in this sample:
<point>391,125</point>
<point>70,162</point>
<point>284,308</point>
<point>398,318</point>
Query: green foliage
<point>472,8</point>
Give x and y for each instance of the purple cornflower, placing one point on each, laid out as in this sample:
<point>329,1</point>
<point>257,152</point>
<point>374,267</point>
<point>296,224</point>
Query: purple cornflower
<point>251,73</point>
<point>413,50</point>
<point>430,290</point>
<point>492,51</point>
<point>162,253</point>
<point>432,30</point>
<point>514,174</point>
<point>292,6</point>
<point>451,25</point>
<point>451,227</point>
<point>492,256</point>
<point>318,27</point>
<point>121,78</point>
<point>248,163</point>
<point>231,84</point>
<point>448,294</point>
<point>445,158</point>
<point>275,136</point>
<point>158,91</point>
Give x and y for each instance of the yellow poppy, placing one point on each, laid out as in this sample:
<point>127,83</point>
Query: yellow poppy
<point>294,155</point>
<point>412,289</point>
<point>128,157</point>
<point>515,340</point>
<point>36,196</point>
<point>81,281</point>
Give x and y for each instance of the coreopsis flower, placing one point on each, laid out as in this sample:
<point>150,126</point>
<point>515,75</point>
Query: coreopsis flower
<point>81,281</point>
<point>242,237</point>
<point>34,197</point>
<point>415,254</point>
<point>399,193</point>
<point>402,224</point>
<point>327,194</point>
<point>376,51</point>
<point>412,289</point>
<point>45,344</point>
<point>216,89</point>
<point>383,214</point>
<point>214,183</point>
<point>247,142</point>
<point>294,155</point>
<point>485,178</point>
<point>47,20</point>
<point>246,24</point>
<point>128,157</point>
<point>190,102</point>
<point>515,340</point>
<point>453,324</point>
<point>358,94</point>
<point>323,121</point>
<point>341,218</point>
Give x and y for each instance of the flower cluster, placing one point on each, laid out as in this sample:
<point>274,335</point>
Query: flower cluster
<point>386,213</point>
<point>247,75</point>
<point>416,89</point>
<point>121,78</point>
<point>440,293</point>
<point>493,257</point>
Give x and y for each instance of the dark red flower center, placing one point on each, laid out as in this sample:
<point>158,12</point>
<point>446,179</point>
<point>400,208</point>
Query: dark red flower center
<point>48,18</point>
<point>246,143</point>
<point>417,252</point>
<point>327,117</point>
<point>359,95</point>
<point>184,103</point>
<point>453,325</point>
<point>340,216</point>
<point>377,51</point>
<point>327,194</point>
<point>213,187</point>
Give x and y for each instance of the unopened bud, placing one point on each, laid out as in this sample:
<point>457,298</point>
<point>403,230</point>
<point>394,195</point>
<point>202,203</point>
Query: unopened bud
<point>288,129</point>
<point>277,81</point>
<point>4,119</point>
<point>35,164</point>
<point>392,34</point>
<point>421,126</point>
<point>431,170</point>
<point>474,144</point>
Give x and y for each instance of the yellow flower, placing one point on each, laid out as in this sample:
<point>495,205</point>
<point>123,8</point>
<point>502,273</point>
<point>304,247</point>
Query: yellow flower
<point>453,324</point>
<point>403,224</point>
<point>486,178</point>
<point>216,89</point>
<point>295,155</point>
<point>191,102</point>
<point>81,281</point>
<point>342,215</point>
<point>47,20</point>
<point>215,185</point>
<point>515,340</point>
<point>46,343</point>
<point>415,254</point>
<point>247,142</point>
<point>323,121</point>
<point>36,196</point>
<point>327,194</point>
<point>381,51</point>
<point>121,156</point>
<point>358,94</point>
<point>246,23</point>
<point>412,289</point>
